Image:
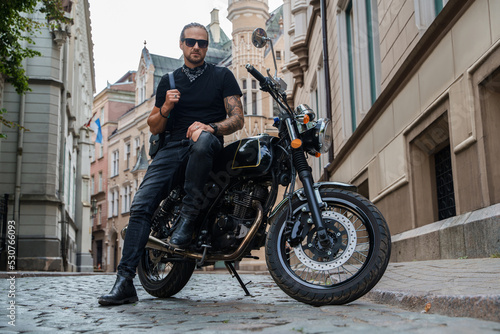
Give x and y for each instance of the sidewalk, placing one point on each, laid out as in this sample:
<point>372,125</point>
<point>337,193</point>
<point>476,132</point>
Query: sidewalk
<point>459,288</point>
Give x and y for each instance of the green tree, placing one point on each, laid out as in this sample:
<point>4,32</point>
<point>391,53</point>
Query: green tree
<point>16,28</point>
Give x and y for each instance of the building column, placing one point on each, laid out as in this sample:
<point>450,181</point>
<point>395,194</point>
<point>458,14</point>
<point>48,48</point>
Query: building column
<point>83,240</point>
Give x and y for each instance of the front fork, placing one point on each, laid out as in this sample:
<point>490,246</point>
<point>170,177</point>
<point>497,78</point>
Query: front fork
<point>305,176</point>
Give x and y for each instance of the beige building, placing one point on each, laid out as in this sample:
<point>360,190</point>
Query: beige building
<point>414,99</point>
<point>109,105</point>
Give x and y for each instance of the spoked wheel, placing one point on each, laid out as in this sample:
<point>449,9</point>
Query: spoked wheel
<point>346,269</point>
<point>163,274</point>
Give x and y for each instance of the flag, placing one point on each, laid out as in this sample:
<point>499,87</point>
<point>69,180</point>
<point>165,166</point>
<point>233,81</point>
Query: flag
<point>90,120</point>
<point>96,127</point>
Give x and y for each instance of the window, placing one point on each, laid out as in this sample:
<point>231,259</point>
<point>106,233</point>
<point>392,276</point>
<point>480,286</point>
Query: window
<point>360,65</point>
<point>137,147</point>
<point>254,84</point>
<point>101,151</point>
<point>245,103</point>
<point>99,214</point>
<point>431,167</point>
<point>244,81</point>
<point>278,55</point>
<point>126,198</point>
<point>92,153</point>
<point>426,11</point>
<point>444,184</point>
<point>92,185</point>
<point>113,203</point>
<point>115,163</point>
<point>142,89</point>
<point>127,156</point>
<point>254,103</point>
<point>100,182</point>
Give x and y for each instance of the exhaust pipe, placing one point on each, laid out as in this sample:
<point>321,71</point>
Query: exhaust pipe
<point>153,242</point>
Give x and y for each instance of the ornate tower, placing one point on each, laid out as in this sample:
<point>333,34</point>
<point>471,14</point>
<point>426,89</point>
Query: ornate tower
<point>246,15</point>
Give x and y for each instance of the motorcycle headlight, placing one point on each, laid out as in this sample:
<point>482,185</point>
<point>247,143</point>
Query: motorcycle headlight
<point>323,131</point>
<point>318,138</point>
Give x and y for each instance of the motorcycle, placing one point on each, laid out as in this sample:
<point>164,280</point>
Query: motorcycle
<point>324,243</point>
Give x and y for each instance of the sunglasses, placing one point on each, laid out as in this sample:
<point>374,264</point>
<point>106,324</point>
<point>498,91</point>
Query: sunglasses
<point>190,42</point>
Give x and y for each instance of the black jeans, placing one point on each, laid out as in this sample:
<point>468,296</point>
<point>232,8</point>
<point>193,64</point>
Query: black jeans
<point>157,184</point>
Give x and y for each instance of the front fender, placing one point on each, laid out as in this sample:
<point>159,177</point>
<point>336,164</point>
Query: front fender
<point>299,193</point>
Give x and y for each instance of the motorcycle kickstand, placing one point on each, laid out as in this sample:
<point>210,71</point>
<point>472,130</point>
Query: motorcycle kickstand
<point>234,273</point>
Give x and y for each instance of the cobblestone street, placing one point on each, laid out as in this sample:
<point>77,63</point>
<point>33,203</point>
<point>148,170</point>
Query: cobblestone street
<point>210,303</point>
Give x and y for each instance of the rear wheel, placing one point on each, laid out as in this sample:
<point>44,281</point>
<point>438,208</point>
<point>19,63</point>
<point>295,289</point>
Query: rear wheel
<point>344,271</point>
<point>162,274</point>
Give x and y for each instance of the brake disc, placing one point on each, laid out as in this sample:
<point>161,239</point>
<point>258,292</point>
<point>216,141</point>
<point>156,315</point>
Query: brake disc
<point>341,257</point>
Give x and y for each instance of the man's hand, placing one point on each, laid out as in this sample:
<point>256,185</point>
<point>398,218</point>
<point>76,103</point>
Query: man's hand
<point>195,130</point>
<point>157,119</point>
<point>173,96</point>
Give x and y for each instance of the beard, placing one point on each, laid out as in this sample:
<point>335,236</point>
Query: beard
<point>195,59</point>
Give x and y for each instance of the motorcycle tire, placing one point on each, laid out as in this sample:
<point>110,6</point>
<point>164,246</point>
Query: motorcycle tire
<point>351,266</point>
<point>161,278</point>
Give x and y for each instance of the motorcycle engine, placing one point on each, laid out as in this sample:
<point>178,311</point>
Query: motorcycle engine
<point>231,227</point>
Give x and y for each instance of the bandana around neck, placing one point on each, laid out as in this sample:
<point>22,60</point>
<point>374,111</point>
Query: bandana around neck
<point>194,73</point>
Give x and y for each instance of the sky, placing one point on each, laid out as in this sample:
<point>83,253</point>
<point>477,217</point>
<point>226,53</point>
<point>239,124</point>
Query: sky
<point>120,27</point>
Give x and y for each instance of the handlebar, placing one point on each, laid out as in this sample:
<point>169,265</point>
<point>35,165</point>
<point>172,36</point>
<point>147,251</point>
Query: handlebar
<point>256,74</point>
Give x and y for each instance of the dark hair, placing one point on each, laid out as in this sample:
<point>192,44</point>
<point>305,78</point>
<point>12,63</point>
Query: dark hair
<point>193,25</point>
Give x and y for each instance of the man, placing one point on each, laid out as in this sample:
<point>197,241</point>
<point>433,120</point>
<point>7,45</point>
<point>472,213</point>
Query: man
<point>193,116</point>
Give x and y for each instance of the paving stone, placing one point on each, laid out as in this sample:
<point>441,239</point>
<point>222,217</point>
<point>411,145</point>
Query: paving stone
<point>210,303</point>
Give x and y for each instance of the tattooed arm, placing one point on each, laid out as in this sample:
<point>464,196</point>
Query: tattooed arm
<point>235,120</point>
<point>233,123</point>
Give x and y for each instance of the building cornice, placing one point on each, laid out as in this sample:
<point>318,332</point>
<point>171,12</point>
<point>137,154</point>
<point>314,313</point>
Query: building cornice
<point>301,48</point>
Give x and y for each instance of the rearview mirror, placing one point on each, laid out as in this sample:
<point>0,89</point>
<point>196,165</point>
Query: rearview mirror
<point>259,38</point>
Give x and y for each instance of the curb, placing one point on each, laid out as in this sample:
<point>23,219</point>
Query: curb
<point>485,307</point>
<point>20,274</point>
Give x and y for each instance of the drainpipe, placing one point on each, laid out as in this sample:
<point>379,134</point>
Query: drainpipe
<point>326,66</point>
<point>19,157</point>
<point>62,148</point>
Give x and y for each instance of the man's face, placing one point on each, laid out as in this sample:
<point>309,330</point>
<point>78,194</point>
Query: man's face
<point>194,56</point>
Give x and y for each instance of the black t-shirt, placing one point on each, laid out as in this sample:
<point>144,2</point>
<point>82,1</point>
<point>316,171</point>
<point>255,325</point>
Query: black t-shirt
<point>201,100</point>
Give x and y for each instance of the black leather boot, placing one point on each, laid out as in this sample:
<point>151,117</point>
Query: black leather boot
<point>183,234</point>
<point>123,292</point>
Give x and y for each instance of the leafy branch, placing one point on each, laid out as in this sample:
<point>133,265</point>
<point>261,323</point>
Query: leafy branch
<point>17,29</point>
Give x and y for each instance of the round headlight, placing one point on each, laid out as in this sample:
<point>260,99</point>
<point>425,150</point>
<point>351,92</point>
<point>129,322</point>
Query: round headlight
<point>324,134</point>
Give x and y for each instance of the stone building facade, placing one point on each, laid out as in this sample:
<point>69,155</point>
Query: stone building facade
<point>45,170</point>
<point>414,86</point>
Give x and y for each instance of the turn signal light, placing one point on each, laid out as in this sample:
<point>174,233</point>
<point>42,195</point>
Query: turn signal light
<point>296,143</point>
<point>306,119</point>
<point>317,154</point>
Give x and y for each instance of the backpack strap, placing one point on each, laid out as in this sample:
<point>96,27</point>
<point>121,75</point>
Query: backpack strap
<point>171,79</point>
<point>172,86</point>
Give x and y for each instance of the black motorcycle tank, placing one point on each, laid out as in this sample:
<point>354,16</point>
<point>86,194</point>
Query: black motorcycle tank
<point>251,157</point>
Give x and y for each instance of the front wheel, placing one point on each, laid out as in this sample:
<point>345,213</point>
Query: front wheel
<point>344,271</point>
